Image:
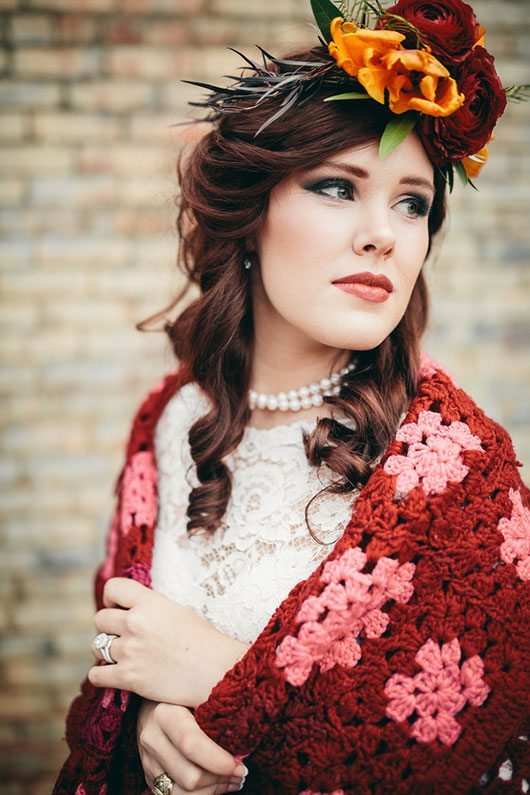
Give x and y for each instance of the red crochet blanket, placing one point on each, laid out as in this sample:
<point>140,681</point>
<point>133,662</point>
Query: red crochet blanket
<point>401,665</point>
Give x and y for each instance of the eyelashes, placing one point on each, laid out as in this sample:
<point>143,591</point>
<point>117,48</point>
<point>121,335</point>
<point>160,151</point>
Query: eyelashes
<point>420,202</point>
<point>327,184</point>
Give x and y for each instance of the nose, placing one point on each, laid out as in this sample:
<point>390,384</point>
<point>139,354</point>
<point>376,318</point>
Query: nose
<point>374,234</point>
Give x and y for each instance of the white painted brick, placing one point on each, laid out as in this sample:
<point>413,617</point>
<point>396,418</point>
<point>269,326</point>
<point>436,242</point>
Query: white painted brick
<point>79,191</point>
<point>31,29</point>
<point>28,161</point>
<point>81,251</point>
<point>16,253</point>
<point>30,224</point>
<point>12,192</point>
<point>86,6</point>
<point>66,127</point>
<point>117,96</point>
<point>29,94</point>
<point>14,126</point>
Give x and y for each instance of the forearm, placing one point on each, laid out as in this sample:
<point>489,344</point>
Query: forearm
<point>224,655</point>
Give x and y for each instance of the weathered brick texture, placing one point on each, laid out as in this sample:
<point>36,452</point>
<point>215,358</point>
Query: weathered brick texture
<point>88,89</point>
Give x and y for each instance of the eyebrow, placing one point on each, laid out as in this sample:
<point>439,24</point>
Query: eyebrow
<point>357,171</point>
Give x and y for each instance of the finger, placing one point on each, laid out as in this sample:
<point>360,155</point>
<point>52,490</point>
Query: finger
<point>107,676</point>
<point>111,620</point>
<point>116,650</point>
<point>214,789</point>
<point>187,776</point>
<point>222,786</point>
<point>197,747</point>
<point>123,592</point>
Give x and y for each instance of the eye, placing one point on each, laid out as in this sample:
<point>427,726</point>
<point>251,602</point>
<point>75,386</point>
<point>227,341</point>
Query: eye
<point>416,206</point>
<point>340,189</point>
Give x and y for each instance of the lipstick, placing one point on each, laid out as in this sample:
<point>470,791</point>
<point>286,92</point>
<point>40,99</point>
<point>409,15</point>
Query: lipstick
<point>368,286</point>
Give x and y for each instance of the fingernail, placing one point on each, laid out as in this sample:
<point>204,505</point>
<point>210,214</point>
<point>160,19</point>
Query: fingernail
<point>236,787</point>
<point>241,770</point>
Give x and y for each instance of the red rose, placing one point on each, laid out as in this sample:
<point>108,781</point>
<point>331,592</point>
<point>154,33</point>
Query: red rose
<point>469,128</point>
<point>449,27</point>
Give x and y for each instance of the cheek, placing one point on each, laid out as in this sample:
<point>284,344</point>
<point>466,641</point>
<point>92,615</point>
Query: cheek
<point>289,226</point>
<point>412,261</point>
<point>290,246</point>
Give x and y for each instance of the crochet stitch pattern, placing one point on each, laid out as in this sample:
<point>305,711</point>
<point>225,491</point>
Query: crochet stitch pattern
<point>436,702</point>
<point>335,792</point>
<point>438,693</point>
<point>434,454</point>
<point>351,603</point>
<point>139,502</point>
<point>516,546</point>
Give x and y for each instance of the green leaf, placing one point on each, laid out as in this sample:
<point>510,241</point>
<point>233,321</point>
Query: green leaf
<point>324,12</point>
<point>396,131</point>
<point>460,170</point>
<point>451,177</point>
<point>447,174</point>
<point>376,8</point>
<point>350,95</point>
<point>517,93</point>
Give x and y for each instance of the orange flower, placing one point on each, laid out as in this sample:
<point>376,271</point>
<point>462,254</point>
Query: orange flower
<point>415,79</point>
<point>481,35</point>
<point>356,49</point>
<point>418,81</point>
<point>474,163</point>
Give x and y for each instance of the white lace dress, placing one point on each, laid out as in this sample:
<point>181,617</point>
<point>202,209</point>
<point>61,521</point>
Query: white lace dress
<point>238,576</point>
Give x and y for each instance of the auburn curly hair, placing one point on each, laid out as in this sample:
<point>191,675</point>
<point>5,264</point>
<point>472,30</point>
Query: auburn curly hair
<point>225,183</point>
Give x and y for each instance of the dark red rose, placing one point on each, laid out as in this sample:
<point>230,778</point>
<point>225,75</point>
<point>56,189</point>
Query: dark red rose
<point>449,27</point>
<point>469,128</point>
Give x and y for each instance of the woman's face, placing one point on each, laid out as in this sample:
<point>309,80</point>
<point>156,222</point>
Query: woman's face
<point>354,214</point>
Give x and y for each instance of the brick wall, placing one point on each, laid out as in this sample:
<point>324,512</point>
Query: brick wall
<point>88,91</point>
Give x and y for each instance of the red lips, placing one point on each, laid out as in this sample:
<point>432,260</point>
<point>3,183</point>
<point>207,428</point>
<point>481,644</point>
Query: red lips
<point>370,279</point>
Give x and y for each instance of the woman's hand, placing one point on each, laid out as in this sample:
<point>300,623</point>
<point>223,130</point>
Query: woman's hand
<point>164,652</point>
<point>170,741</point>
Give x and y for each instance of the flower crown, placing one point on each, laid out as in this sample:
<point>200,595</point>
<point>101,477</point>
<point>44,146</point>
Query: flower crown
<point>425,61</point>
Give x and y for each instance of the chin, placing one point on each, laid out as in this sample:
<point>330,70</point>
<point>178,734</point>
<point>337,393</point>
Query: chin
<point>358,339</point>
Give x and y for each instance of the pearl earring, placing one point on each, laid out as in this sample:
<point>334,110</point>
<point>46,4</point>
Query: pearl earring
<point>247,263</point>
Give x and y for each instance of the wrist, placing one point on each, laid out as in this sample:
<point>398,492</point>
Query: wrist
<point>228,652</point>
<point>235,650</point>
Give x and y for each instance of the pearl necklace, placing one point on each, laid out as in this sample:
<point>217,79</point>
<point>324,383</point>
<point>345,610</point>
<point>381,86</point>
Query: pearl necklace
<point>302,398</point>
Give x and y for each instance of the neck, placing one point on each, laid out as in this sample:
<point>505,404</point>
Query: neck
<point>286,359</point>
<point>290,369</point>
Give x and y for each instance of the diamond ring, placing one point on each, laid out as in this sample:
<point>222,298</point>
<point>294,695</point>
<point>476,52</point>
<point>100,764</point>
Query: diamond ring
<point>103,642</point>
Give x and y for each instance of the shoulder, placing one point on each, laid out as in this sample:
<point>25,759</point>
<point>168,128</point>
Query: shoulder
<point>439,393</point>
<point>453,450</point>
<point>139,450</point>
<point>456,477</point>
<point>185,404</point>
<point>464,463</point>
<point>151,406</point>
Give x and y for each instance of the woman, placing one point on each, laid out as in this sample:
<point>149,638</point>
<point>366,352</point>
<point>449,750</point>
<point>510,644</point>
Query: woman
<point>337,591</point>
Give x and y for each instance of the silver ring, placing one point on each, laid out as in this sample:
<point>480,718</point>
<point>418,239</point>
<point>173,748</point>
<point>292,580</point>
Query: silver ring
<point>162,785</point>
<point>103,642</point>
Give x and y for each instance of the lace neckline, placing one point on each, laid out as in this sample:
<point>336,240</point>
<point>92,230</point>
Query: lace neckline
<point>251,432</point>
<point>288,430</point>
